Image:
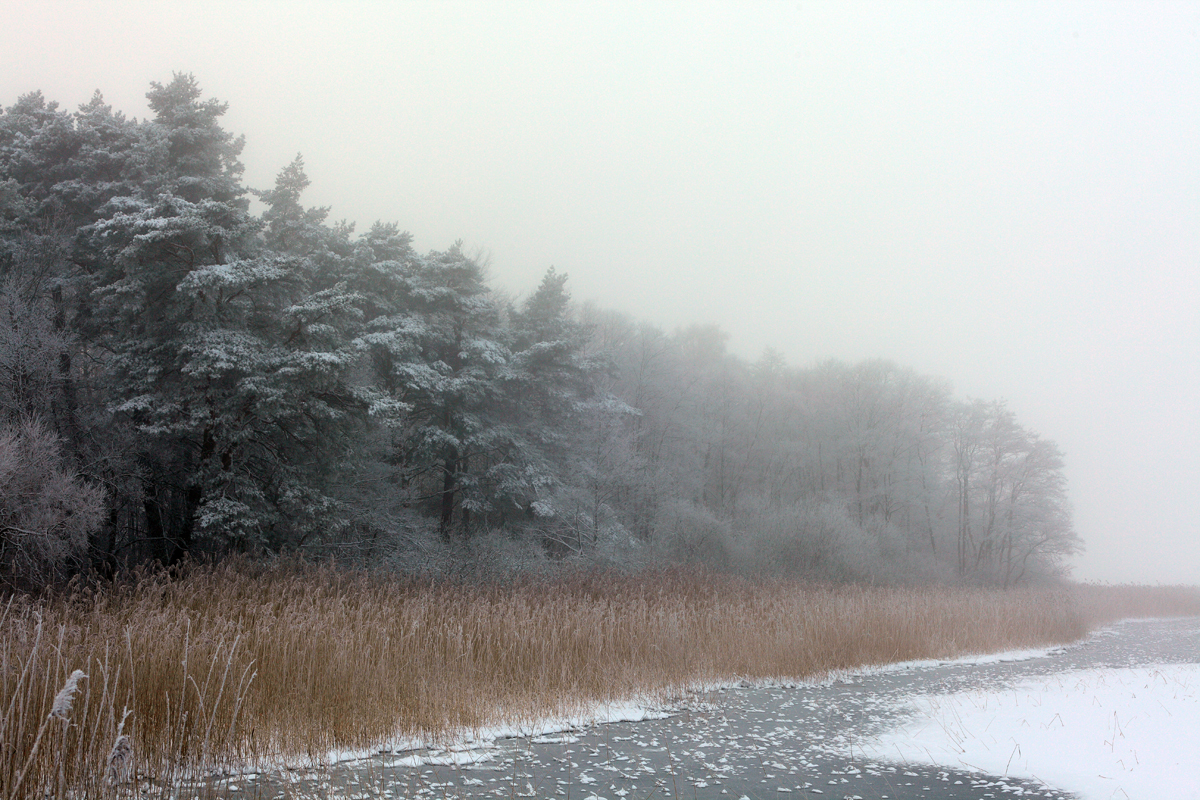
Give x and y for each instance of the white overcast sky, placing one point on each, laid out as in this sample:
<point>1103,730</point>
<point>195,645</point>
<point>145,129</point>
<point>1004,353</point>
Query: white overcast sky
<point>1006,195</point>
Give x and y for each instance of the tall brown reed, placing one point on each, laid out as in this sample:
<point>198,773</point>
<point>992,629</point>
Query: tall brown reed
<point>242,662</point>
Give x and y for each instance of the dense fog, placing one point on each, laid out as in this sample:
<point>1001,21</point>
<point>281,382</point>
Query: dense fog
<point>997,201</point>
<point>179,376</point>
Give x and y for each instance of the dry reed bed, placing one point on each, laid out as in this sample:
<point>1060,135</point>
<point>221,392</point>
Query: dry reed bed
<point>243,662</point>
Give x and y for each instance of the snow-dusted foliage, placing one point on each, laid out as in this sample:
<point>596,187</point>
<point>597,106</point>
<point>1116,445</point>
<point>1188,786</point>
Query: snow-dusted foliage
<point>46,512</point>
<point>277,382</point>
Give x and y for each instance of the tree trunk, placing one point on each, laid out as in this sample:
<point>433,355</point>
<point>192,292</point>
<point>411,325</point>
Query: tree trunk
<point>193,497</point>
<point>449,487</point>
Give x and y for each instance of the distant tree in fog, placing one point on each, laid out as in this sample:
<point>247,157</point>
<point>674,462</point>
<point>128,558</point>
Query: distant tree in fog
<point>1013,513</point>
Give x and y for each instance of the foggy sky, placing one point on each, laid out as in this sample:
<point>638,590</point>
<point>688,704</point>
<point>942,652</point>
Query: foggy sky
<point>1003,195</point>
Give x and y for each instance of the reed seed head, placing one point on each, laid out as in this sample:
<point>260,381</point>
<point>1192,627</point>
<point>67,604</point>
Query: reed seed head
<point>117,767</point>
<point>66,695</point>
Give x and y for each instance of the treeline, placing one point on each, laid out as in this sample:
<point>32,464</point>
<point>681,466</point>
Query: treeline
<point>180,376</point>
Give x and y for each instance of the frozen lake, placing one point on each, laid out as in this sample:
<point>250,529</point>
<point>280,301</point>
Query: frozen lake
<point>1123,702</point>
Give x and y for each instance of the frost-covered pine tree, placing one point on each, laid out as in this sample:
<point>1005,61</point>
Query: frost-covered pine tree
<point>441,355</point>
<point>189,214</point>
<point>553,402</point>
<point>231,345</point>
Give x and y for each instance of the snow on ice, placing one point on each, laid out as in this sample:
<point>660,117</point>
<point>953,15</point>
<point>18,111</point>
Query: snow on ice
<point>1101,733</point>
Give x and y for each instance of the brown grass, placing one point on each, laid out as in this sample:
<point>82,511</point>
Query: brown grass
<point>244,662</point>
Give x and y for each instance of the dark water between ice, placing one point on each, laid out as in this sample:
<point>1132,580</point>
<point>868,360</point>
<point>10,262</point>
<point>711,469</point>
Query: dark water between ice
<point>739,743</point>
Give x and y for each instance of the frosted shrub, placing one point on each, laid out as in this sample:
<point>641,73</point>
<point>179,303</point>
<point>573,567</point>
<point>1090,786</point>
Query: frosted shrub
<point>46,513</point>
<point>617,547</point>
<point>495,554</point>
<point>686,533</point>
<point>817,540</point>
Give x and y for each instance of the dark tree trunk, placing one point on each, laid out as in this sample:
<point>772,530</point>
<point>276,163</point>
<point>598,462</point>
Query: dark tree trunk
<point>183,542</point>
<point>464,515</point>
<point>103,543</point>
<point>155,530</point>
<point>449,487</point>
<point>193,497</point>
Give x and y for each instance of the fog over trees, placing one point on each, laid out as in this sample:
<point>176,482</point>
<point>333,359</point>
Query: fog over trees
<point>180,376</point>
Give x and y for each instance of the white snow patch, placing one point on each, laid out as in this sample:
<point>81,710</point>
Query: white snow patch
<point>848,675</point>
<point>1100,733</point>
<point>447,758</point>
<point>473,747</point>
<point>962,661</point>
